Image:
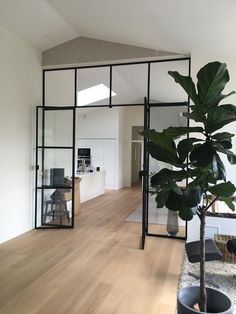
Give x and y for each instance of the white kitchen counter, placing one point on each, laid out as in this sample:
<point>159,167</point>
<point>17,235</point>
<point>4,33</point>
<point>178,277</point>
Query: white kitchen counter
<point>91,185</point>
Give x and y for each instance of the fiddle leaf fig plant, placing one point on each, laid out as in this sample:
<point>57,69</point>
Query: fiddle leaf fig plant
<point>197,157</point>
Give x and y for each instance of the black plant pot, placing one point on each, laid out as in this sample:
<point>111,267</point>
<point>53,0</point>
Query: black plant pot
<point>217,301</point>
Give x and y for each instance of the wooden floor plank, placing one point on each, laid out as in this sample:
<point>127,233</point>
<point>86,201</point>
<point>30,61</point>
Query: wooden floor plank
<point>97,267</point>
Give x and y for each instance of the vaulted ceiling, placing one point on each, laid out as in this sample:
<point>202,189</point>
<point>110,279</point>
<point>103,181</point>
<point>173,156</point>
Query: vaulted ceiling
<point>178,26</point>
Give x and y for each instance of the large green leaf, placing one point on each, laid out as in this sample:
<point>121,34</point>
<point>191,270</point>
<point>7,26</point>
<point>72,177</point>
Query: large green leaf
<point>232,159</point>
<point>158,153</point>
<point>212,79</point>
<point>185,147</point>
<point>175,201</point>
<point>203,178</point>
<point>218,168</point>
<point>219,98</point>
<point>187,83</point>
<point>228,201</point>
<point>226,189</point>
<point>227,143</point>
<point>160,139</point>
<point>219,117</point>
<point>202,155</point>
<point>166,175</point>
<point>187,213</point>
<point>194,115</point>
<point>230,155</point>
<point>175,188</point>
<point>222,136</point>
<point>192,196</point>
<point>175,132</point>
<point>162,197</point>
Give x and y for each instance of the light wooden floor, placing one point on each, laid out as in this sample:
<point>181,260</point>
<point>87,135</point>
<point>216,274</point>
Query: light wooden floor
<point>94,268</point>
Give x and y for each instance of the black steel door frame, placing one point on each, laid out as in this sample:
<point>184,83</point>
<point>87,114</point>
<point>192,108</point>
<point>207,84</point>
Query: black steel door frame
<point>146,106</point>
<point>144,174</point>
<point>146,187</point>
<point>43,148</point>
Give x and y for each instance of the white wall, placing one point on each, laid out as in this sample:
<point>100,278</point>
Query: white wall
<point>115,123</point>
<point>224,225</point>
<point>98,123</point>
<point>98,129</point>
<point>20,91</point>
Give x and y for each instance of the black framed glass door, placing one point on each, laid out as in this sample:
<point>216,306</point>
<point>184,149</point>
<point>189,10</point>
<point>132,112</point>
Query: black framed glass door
<point>54,195</point>
<point>160,221</point>
<point>144,174</point>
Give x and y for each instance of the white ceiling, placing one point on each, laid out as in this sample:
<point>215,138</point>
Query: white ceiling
<point>35,21</point>
<point>179,26</point>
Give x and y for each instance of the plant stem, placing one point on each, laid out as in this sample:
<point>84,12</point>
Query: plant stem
<point>208,206</point>
<point>203,295</point>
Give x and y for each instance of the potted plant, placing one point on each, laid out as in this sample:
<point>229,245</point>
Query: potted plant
<point>197,159</point>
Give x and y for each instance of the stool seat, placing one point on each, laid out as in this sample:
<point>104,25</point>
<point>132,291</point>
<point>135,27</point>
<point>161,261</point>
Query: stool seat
<point>212,252</point>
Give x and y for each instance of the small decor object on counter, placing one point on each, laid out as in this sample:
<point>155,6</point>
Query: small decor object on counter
<point>98,169</point>
<point>84,167</point>
<point>57,176</point>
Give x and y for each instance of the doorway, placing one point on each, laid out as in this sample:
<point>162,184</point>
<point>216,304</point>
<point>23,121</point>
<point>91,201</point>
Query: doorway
<point>136,156</point>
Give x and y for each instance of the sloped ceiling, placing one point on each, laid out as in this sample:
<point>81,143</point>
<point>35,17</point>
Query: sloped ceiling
<point>36,21</point>
<point>177,26</point>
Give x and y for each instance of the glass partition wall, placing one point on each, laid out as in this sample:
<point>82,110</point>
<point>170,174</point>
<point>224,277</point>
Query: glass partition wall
<point>82,89</point>
<point>55,133</point>
<point>167,102</point>
<point>162,221</point>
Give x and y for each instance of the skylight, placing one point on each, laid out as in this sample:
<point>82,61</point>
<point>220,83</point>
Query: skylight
<point>93,94</point>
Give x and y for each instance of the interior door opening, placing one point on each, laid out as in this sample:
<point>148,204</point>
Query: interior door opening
<point>104,159</point>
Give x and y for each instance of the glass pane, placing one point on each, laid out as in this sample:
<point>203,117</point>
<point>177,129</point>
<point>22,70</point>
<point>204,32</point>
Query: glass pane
<point>38,209</point>
<point>57,167</point>
<point>59,88</point>
<point>105,135</point>
<point>93,86</point>
<point>161,118</point>
<point>40,126</point>
<point>129,82</point>
<point>161,220</point>
<point>40,171</point>
<point>163,87</point>
<point>57,207</point>
<point>58,128</point>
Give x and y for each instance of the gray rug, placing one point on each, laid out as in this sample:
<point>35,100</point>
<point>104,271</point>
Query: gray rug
<point>156,215</point>
<point>221,273</point>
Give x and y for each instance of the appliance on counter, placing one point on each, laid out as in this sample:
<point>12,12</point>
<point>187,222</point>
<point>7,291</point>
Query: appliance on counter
<point>83,159</point>
<point>57,176</point>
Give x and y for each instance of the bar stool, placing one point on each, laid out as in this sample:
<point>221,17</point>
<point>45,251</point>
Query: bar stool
<point>56,207</point>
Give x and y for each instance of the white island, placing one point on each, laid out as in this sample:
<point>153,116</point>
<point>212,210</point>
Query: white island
<point>91,185</point>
